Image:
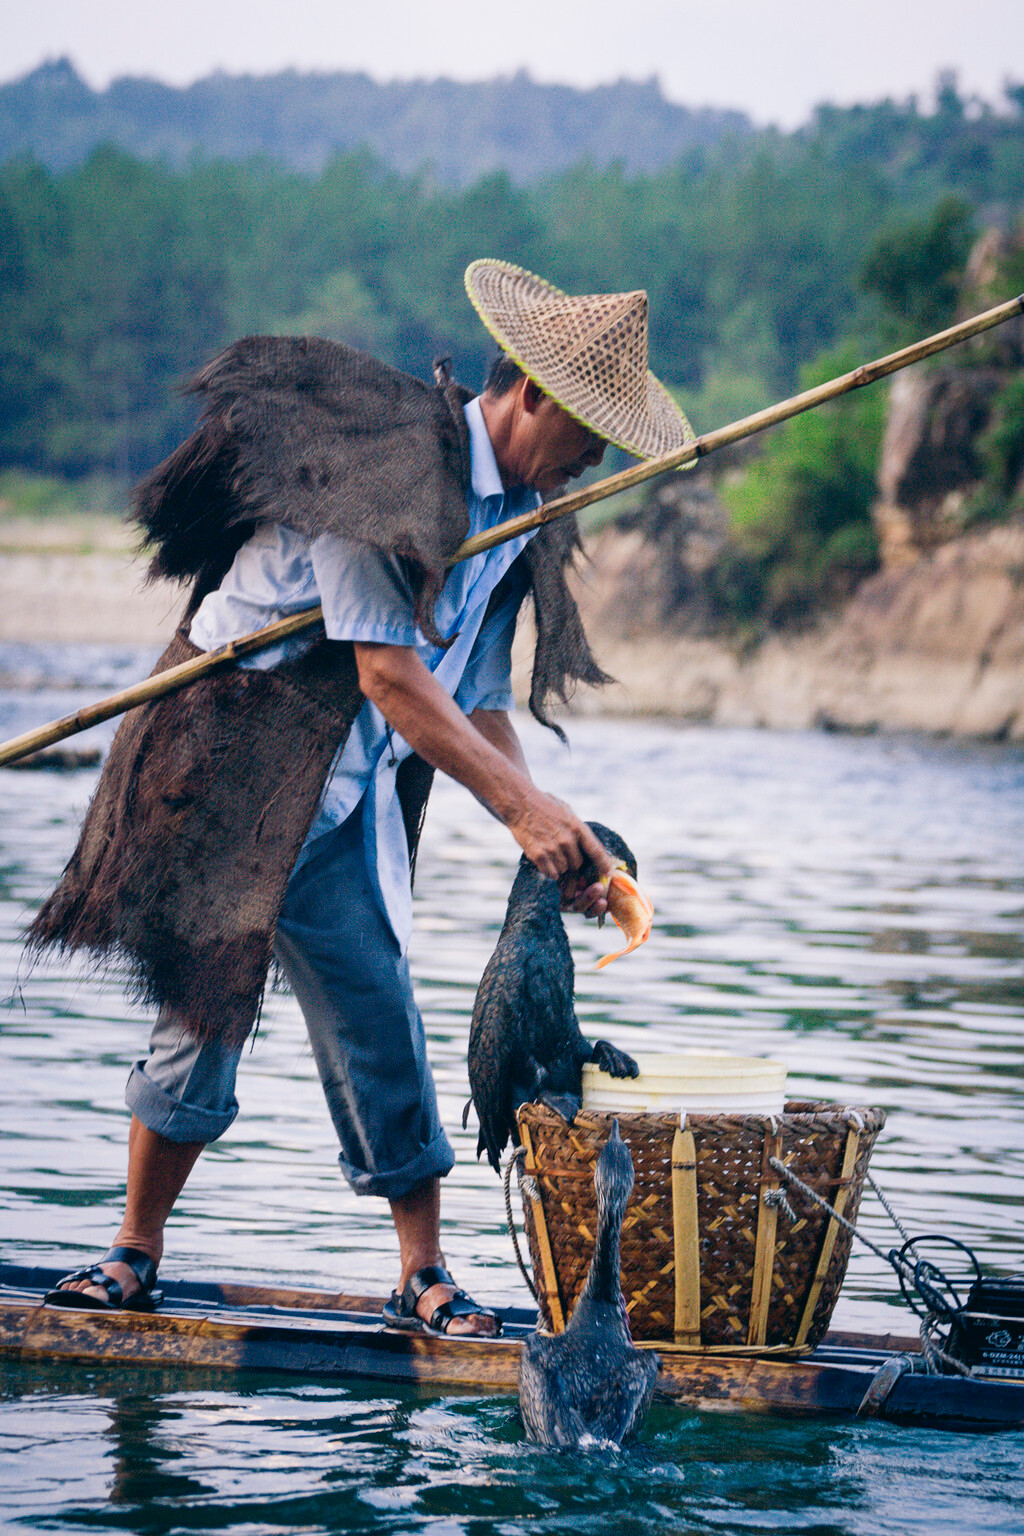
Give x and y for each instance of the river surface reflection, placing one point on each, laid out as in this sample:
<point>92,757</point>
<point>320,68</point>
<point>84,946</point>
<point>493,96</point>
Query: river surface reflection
<point>851,906</point>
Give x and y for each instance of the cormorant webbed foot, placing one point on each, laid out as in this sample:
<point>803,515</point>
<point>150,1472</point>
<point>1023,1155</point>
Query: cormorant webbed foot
<point>565,1104</point>
<point>608,1058</point>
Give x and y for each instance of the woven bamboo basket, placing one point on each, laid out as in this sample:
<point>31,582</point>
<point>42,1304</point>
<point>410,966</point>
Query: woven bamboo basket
<point>712,1258</point>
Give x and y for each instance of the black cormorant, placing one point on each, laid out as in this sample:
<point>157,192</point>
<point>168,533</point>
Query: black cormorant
<point>525,1044</point>
<point>591,1383</point>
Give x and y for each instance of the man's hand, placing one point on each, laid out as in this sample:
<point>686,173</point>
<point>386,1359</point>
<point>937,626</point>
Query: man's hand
<point>553,837</point>
<point>485,757</point>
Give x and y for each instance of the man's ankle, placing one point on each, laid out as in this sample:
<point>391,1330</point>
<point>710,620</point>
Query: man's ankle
<point>149,1244</point>
<point>413,1267</point>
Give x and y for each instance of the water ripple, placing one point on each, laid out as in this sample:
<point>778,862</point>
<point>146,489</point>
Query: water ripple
<point>851,906</point>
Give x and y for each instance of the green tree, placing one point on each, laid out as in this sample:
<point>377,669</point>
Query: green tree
<point>801,533</point>
<point>34,237</point>
<point>341,308</point>
<point>1001,452</point>
<point>915,268</point>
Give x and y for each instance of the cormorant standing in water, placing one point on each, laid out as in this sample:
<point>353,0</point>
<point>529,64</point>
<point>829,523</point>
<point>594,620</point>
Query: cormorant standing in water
<point>591,1382</point>
<point>525,1044</point>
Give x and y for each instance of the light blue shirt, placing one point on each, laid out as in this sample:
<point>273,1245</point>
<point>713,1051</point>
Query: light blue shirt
<point>366,596</point>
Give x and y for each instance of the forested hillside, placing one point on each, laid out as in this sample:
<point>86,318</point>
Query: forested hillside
<point>122,274</point>
<point>460,131</point>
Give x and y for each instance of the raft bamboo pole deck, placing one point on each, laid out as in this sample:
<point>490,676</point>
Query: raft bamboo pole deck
<point>236,1328</point>
<point>310,619</point>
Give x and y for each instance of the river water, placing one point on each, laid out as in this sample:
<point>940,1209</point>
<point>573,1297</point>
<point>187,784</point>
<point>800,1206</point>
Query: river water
<point>851,906</point>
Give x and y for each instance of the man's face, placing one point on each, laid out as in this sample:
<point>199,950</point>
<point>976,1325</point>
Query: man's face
<point>545,446</point>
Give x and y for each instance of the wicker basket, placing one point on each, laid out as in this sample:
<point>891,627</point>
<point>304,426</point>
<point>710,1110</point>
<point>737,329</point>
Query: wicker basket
<point>712,1259</point>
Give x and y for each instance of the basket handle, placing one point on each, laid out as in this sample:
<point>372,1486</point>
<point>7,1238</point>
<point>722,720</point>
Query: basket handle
<point>839,1204</point>
<point>685,1238</point>
<point>547,1259</point>
<point>515,1160</point>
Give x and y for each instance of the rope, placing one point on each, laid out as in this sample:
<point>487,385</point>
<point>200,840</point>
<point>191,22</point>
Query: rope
<point>932,1352</point>
<point>515,1160</point>
<point>900,1228</point>
<point>778,1197</point>
<point>805,1189</point>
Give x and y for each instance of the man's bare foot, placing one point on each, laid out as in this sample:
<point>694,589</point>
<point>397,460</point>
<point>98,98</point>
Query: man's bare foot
<point>425,1283</point>
<point>477,1324</point>
<point>131,1277</point>
<point>126,1278</point>
<point>425,1290</point>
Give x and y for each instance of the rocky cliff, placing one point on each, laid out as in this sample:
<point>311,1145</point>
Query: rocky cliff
<point>936,644</point>
<point>933,641</point>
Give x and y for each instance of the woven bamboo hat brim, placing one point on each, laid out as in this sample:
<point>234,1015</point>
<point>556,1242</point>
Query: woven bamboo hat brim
<point>587,351</point>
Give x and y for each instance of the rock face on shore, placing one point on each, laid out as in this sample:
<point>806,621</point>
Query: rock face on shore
<point>934,641</point>
<point>929,457</point>
<point>930,464</point>
<point>935,645</point>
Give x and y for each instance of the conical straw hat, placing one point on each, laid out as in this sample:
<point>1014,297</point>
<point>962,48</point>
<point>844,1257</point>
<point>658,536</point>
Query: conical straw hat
<point>587,351</point>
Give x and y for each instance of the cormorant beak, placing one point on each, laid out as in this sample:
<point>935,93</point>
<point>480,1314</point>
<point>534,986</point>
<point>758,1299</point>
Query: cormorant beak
<point>631,909</point>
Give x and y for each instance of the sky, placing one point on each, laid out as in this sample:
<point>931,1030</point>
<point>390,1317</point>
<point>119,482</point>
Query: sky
<point>774,59</point>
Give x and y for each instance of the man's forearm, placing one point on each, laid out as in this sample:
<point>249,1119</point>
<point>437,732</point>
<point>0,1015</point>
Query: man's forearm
<point>414,703</point>
<point>487,762</point>
<point>496,727</point>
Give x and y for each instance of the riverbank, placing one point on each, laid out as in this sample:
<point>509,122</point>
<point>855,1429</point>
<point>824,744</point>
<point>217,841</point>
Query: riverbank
<point>933,645</point>
<point>76,579</point>
<point>936,645</point>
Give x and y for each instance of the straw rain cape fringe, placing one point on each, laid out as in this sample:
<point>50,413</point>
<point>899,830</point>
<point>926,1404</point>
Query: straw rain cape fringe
<point>207,794</point>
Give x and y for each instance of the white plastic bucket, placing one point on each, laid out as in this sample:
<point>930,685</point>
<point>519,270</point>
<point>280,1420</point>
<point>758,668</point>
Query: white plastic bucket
<point>699,1084</point>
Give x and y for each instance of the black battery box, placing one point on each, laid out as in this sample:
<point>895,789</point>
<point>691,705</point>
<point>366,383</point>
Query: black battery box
<point>988,1335</point>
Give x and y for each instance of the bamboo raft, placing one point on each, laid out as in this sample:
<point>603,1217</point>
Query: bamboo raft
<point>315,1334</point>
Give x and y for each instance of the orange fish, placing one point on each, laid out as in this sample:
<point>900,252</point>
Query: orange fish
<point>632,910</point>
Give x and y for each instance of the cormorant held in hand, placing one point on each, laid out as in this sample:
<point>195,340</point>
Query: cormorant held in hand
<point>591,1383</point>
<point>525,1044</point>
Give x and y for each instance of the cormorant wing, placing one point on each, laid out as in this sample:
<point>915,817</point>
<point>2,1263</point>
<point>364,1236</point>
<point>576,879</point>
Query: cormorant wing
<point>548,1412</point>
<point>493,1059</point>
<point>621,1405</point>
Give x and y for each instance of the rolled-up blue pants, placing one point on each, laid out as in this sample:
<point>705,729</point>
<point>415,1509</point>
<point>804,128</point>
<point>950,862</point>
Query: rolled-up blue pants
<point>353,985</point>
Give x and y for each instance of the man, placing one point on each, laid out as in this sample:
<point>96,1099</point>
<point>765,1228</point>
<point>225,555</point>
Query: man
<point>281,805</point>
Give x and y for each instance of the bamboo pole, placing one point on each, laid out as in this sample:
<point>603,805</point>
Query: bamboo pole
<point>748,426</point>
<point>161,683</point>
<point>312,618</point>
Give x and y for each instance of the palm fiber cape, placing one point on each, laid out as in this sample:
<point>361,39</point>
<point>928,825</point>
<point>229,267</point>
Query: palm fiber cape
<point>207,794</point>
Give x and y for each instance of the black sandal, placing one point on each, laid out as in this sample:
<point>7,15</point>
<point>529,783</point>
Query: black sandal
<point>145,1299</point>
<point>400,1311</point>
